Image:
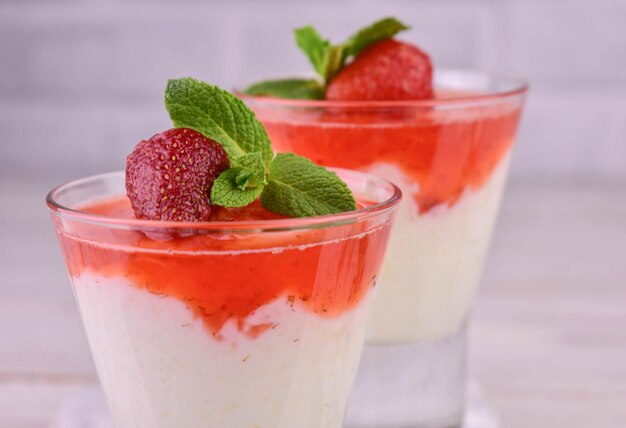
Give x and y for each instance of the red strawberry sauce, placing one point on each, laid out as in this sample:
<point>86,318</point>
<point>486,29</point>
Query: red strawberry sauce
<point>445,152</point>
<point>227,277</point>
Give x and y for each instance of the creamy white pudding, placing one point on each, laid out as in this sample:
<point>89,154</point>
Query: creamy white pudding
<point>433,264</point>
<point>160,366</point>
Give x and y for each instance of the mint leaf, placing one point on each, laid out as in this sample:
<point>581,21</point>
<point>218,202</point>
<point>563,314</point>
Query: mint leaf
<point>297,187</point>
<point>326,58</point>
<point>242,183</point>
<point>252,170</point>
<point>227,193</point>
<point>380,30</point>
<point>218,115</point>
<point>288,88</point>
<point>335,60</point>
<point>314,47</point>
<point>243,177</point>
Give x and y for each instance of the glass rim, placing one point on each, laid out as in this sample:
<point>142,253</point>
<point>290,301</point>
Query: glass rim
<point>518,87</point>
<point>291,223</point>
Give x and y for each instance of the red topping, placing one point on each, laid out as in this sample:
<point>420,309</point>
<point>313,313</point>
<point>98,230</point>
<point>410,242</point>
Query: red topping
<point>444,153</point>
<point>387,70</point>
<point>169,176</point>
<point>223,277</point>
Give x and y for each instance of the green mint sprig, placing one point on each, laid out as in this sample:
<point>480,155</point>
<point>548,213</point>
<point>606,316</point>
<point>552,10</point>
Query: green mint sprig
<point>327,59</point>
<point>305,89</point>
<point>297,185</point>
<point>287,184</point>
<point>218,115</point>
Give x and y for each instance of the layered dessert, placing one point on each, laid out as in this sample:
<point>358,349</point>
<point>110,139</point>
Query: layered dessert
<point>254,329</point>
<point>451,167</point>
<point>217,285</point>
<point>445,138</point>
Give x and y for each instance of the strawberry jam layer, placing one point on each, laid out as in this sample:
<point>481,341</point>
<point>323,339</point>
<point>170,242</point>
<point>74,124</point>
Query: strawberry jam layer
<point>445,152</point>
<point>227,276</point>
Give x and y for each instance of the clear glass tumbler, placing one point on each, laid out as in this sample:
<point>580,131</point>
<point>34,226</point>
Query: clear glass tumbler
<point>223,324</point>
<point>450,156</point>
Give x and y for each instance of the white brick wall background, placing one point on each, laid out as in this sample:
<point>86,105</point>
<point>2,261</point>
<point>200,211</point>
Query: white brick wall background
<point>81,81</point>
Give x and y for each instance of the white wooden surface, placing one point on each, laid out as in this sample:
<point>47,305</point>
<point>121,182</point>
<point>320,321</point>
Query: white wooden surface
<point>548,338</point>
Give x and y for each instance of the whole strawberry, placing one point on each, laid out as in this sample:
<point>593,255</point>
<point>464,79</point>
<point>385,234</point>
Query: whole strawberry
<point>387,70</point>
<point>169,176</point>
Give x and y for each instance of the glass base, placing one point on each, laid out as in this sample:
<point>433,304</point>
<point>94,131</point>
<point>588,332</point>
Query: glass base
<point>416,385</point>
<point>86,408</point>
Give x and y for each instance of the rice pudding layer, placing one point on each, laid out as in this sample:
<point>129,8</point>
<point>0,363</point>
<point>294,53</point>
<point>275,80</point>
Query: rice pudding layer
<point>434,262</point>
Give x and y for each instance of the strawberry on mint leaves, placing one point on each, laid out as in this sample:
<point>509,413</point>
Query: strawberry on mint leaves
<point>219,154</point>
<point>369,66</point>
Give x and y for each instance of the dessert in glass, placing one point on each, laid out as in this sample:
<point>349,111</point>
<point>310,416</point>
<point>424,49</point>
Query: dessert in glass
<point>253,322</point>
<point>245,318</point>
<point>449,152</point>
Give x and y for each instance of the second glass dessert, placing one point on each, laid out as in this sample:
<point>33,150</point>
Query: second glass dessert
<point>450,156</point>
